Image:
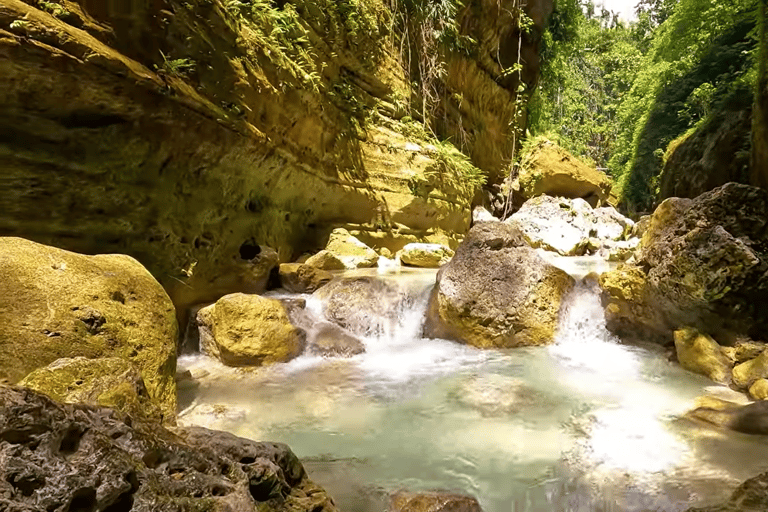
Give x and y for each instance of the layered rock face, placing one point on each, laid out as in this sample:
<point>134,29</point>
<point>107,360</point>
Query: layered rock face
<point>703,263</point>
<point>75,457</point>
<point>497,292</point>
<point>192,137</point>
<point>58,304</point>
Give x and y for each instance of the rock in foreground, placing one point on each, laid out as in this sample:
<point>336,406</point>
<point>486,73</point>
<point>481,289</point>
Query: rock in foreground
<point>751,496</point>
<point>497,292</point>
<point>74,457</point>
<point>249,330</point>
<point>56,304</point>
<point>433,502</point>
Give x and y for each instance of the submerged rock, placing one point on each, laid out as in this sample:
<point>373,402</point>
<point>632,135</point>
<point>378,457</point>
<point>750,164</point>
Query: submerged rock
<point>748,419</point>
<point>700,354</point>
<point>425,255</point>
<point>303,278</point>
<point>751,496</point>
<point>331,340</point>
<point>497,292</point>
<point>434,501</point>
<point>57,304</point>
<point>702,263</point>
<point>350,251</point>
<point>74,457</point>
<point>108,381</point>
<point>495,395</point>
<point>249,330</point>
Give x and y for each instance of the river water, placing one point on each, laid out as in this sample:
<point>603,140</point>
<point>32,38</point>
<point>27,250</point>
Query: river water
<point>585,424</point>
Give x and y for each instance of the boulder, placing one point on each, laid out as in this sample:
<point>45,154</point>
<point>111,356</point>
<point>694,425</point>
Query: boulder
<point>495,395</point>
<point>325,260</point>
<point>351,251</point>
<point>748,419</point>
<point>610,224</point>
<point>629,312</point>
<point>700,354</point>
<point>108,381</point>
<point>249,330</point>
<point>744,350</point>
<point>497,292</point>
<point>434,501</point>
<point>480,214</point>
<point>750,496</point>
<point>76,457</point>
<point>302,278</point>
<point>555,224</point>
<point>551,170</point>
<point>425,255</point>
<point>366,306</point>
<point>58,304</point>
<point>641,226</point>
<point>759,389</point>
<point>331,340</point>
<point>748,372</point>
<point>621,250</point>
<point>702,263</point>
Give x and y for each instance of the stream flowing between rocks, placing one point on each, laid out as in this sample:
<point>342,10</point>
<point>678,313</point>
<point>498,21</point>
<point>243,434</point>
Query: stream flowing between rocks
<point>585,424</point>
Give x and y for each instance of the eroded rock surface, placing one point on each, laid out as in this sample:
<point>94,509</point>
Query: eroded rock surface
<point>58,304</point>
<point>434,501</point>
<point>702,263</point>
<point>497,292</point>
<point>425,255</point>
<point>75,457</point>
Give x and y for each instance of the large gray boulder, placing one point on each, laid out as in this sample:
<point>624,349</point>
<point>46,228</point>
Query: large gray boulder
<point>497,292</point>
<point>64,458</point>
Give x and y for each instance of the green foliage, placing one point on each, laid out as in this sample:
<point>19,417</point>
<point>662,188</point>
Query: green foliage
<point>177,67</point>
<point>53,8</point>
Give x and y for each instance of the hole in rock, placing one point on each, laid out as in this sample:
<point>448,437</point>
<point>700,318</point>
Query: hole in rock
<point>27,484</point>
<point>218,490</point>
<point>118,297</point>
<point>71,441</point>
<point>84,500</point>
<point>124,502</point>
<point>247,460</point>
<point>249,250</point>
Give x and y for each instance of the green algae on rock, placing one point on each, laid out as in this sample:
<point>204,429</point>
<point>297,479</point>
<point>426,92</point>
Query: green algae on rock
<point>58,304</point>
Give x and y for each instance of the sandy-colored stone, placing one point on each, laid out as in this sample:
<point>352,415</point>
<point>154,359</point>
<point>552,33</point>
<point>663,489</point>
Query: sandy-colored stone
<point>426,255</point>
<point>699,353</point>
<point>352,252</point>
<point>249,330</point>
<point>759,389</point>
<point>58,304</point>
<point>745,374</point>
<point>302,278</point>
<point>325,260</point>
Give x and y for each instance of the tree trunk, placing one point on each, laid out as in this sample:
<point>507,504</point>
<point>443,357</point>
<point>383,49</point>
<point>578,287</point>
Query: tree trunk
<point>760,115</point>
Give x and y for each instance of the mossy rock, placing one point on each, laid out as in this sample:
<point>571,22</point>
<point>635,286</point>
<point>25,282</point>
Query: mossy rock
<point>57,304</point>
<point>249,330</point>
<point>108,381</point>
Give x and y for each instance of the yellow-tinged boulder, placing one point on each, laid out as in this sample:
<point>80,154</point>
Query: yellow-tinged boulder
<point>699,353</point>
<point>425,255</point>
<point>249,330</point>
<point>325,260</point>
<point>759,389</point>
<point>350,251</point>
<point>551,170</point>
<point>108,381</point>
<point>747,373</point>
<point>303,278</point>
<point>58,304</point>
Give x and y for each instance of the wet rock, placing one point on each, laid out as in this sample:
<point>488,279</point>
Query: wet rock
<point>551,170</point>
<point>300,278</point>
<point>107,381</point>
<point>75,457</point>
<point>435,501</point>
<point>331,340</point>
<point>746,373</point>
<point>425,255</point>
<point>700,354</point>
<point>58,304</point>
<point>702,263</point>
<point>748,419</point>
<point>744,350</point>
<point>249,330</point>
<point>325,260</point>
<point>366,306</point>
<point>759,389</point>
<point>209,415</point>
<point>751,496</point>
<point>350,251</point>
<point>621,250</point>
<point>497,292</point>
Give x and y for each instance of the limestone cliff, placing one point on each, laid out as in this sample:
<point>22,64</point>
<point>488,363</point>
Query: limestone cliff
<point>195,135</point>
